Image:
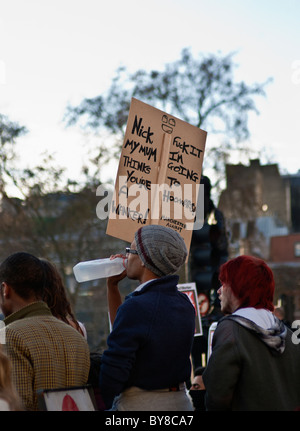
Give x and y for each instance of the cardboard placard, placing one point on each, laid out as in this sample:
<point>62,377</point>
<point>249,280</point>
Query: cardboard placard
<point>159,174</point>
<point>190,290</point>
<point>76,398</point>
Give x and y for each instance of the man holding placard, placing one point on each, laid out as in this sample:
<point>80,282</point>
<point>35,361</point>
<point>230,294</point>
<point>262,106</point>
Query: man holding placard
<point>148,355</point>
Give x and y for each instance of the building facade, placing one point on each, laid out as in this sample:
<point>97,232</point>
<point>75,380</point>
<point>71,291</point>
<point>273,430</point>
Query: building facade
<point>262,211</point>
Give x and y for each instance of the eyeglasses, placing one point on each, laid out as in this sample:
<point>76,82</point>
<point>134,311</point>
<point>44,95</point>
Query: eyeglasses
<point>130,250</point>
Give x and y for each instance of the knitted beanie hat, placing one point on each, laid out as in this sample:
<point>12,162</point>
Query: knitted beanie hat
<point>161,249</point>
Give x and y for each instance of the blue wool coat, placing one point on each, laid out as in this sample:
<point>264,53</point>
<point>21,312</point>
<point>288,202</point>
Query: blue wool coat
<point>150,344</point>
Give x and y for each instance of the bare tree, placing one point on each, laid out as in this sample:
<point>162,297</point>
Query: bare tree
<point>200,91</point>
<point>52,217</point>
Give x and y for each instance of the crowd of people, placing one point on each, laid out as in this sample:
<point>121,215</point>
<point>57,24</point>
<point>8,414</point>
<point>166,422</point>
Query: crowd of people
<point>254,364</point>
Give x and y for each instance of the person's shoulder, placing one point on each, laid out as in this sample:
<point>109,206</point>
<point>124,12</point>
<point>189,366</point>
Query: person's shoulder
<point>226,327</point>
<point>58,325</point>
<point>40,326</point>
<point>31,321</point>
<point>137,307</point>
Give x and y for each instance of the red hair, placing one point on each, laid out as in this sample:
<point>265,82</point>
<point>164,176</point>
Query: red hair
<point>251,281</point>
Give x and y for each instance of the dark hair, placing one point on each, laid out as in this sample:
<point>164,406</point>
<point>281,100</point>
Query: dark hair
<point>199,371</point>
<point>24,273</point>
<point>55,294</point>
<point>251,281</point>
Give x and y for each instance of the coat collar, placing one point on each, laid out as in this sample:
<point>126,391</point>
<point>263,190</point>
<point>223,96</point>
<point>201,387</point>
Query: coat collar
<point>169,282</point>
<point>38,308</point>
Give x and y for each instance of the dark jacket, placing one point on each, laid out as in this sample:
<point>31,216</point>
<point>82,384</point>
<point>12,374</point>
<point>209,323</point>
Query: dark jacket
<point>151,340</point>
<point>252,369</point>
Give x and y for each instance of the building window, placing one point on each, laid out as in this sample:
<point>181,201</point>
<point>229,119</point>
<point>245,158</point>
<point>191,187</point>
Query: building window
<point>297,249</point>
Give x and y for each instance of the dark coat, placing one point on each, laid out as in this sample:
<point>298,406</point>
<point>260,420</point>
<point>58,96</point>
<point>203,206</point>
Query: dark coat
<point>151,341</point>
<point>244,373</point>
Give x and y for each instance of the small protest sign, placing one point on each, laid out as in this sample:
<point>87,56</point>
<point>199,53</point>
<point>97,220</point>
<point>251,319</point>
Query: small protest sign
<point>76,398</point>
<point>190,290</point>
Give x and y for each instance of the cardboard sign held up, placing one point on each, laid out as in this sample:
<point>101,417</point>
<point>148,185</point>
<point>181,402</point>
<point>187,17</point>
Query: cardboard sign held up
<point>159,174</point>
<point>191,291</point>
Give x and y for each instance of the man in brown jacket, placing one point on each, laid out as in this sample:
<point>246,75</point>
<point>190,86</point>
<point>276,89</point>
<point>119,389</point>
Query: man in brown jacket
<point>46,353</point>
<point>255,362</point>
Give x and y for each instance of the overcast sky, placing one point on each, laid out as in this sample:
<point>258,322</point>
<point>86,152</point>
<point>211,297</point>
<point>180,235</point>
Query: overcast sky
<point>57,52</point>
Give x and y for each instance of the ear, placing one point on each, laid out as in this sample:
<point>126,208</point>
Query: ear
<point>5,289</point>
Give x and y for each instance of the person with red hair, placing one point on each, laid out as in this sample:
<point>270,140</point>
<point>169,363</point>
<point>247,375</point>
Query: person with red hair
<point>251,281</point>
<point>254,364</point>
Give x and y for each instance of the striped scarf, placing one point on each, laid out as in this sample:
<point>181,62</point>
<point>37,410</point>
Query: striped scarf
<point>274,337</point>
